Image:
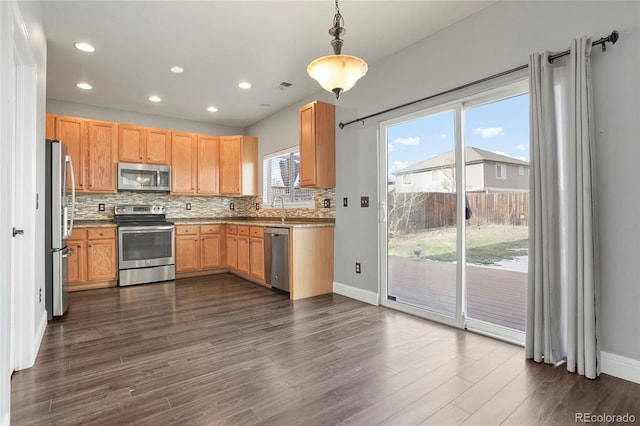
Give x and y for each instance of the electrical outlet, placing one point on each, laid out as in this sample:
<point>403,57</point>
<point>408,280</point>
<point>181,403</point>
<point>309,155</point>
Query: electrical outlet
<point>358,268</point>
<point>40,296</point>
<point>188,206</point>
<point>326,203</point>
<point>364,201</point>
<point>231,206</point>
<point>101,207</point>
<point>257,206</point>
<point>345,202</point>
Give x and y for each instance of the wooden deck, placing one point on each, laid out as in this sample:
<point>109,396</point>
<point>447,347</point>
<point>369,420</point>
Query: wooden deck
<point>497,296</point>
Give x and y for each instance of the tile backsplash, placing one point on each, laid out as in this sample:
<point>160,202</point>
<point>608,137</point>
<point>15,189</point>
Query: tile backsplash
<point>201,207</point>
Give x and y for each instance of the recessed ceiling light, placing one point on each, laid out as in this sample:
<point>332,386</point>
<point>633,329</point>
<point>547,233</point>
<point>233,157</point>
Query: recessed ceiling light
<point>85,86</point>
<point>176,69</point>
<point>212,109</point>
<point>154,99</point>
<point>244,85</point>
<point>85,47</point>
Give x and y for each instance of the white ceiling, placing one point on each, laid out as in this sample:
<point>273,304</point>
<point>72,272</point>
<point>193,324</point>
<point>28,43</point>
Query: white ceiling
<point>219,44</point>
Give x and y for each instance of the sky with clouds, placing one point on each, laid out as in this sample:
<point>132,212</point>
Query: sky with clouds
<point>501,127</point>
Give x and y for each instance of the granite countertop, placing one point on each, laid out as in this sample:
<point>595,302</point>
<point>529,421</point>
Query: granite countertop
<point>93,224</point>
<point>255,221</point>
<point>258,221</point>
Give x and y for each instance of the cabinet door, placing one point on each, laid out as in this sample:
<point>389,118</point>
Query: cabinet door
<point>243,254</point>
<point>307,146</point>
<point>230,164</point>
<point>208,152</point>
<point>183,163</point>
<point>232,252</point>
<point>77,261</point>
<point>210,251</point>
<point>158,146</point>
<point>103,156</point>
<point>187,253</point>
<point>72,132</point>
<point>131,143</point>
<point>101,260</point>
<point>257,258</point>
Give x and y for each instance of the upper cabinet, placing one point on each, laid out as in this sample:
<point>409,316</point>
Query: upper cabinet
<point>208,161</point>
<point>93,148</point>
<point>137,144</point>
<point>318,145</point>
<point>50,127</point>
<point>238,165</point>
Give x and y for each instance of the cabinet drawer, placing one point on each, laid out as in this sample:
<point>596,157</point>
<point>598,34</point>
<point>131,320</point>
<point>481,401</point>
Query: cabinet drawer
<point>78,234</point>
<point>187,230</point>
<point>257,231</point>
<point>101,234</point>
<point>232,229</point>
<point>243,230</point>
<point>210,229</point>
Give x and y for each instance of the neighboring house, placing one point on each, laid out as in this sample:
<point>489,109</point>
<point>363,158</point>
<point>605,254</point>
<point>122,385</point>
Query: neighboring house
<point>485,171</point>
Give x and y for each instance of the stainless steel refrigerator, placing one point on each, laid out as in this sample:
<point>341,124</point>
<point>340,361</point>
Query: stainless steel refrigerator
<point>59,213</point>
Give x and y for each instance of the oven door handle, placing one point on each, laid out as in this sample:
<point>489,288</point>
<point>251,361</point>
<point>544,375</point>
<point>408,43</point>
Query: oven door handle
<point>145,229</point>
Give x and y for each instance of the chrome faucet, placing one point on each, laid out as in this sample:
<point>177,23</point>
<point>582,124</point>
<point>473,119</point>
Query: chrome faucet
<point>273,204</point>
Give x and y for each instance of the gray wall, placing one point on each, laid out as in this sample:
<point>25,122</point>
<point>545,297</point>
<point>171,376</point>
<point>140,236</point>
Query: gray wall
<point>498,38</point>
<point>56,106</point>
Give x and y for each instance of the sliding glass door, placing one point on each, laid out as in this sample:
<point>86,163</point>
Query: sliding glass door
<point>456,238</point>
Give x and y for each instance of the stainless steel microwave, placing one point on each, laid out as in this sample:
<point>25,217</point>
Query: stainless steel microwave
<point>144,177</point>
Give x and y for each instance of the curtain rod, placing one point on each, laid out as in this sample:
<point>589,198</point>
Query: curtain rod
<point>611,38</point>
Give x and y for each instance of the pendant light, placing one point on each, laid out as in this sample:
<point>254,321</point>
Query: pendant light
<point>337,73</point>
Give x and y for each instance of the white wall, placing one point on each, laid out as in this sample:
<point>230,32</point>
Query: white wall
<point>495,39</point>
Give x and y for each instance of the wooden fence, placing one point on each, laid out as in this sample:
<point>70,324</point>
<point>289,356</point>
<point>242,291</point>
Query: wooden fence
<point>427,210</point>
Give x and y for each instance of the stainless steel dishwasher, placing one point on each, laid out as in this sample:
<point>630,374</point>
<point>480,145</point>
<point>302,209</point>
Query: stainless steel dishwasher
<point>276,257</point>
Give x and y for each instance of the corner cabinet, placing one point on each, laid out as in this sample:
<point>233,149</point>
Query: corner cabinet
<point>238,165</point>
<point>318,145</point>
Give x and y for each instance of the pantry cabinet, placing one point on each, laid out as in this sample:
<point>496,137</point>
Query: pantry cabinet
<point>317,145</point>
<point>238,165</point>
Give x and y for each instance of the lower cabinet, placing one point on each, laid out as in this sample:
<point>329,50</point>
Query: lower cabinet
<point>256,252</point>
<point>232,247</point>
<point>93,258</point>
<point>243,249</point>
<point>198,248</point>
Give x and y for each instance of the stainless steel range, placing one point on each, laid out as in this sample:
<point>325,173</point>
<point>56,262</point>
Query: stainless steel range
<point>146,244</point>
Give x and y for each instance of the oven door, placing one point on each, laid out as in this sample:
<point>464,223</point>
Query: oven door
<point>145,246</point>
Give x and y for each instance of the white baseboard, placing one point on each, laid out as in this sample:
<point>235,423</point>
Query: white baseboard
<point>5,420</point>
<point>365,296</point>
<point>42,327</point>
<point>621,367</point>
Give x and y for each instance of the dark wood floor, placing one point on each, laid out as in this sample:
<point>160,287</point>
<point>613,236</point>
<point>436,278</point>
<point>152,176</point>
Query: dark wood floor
<point>213,351</point>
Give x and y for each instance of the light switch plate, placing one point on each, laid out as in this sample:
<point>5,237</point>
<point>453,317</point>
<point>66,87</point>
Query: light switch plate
<point>345,202</point>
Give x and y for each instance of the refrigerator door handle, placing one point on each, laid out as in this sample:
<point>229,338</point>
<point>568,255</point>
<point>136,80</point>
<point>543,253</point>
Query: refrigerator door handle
<point>73,194</point>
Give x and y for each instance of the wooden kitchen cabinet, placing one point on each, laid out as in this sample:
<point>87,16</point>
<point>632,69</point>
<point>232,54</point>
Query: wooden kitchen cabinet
<point>211,247</point>
<point>93,261</point>
<point>187,250</point>
<point>317,145</point>
<point>232,246</point>
<point>238,165</point>
<point>184,154</point>
<point>103,156</point>
<point>77,260</point>
<point>93,148</point>
<point>243,249</point>
<point>198,247</point>
<point>256,252</point>
<point>50,127</point>
<point>144,145</point>
<point>207,163</point>
<point>72,131</point>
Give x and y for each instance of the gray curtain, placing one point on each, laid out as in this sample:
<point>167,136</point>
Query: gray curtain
<point>563,289</point>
